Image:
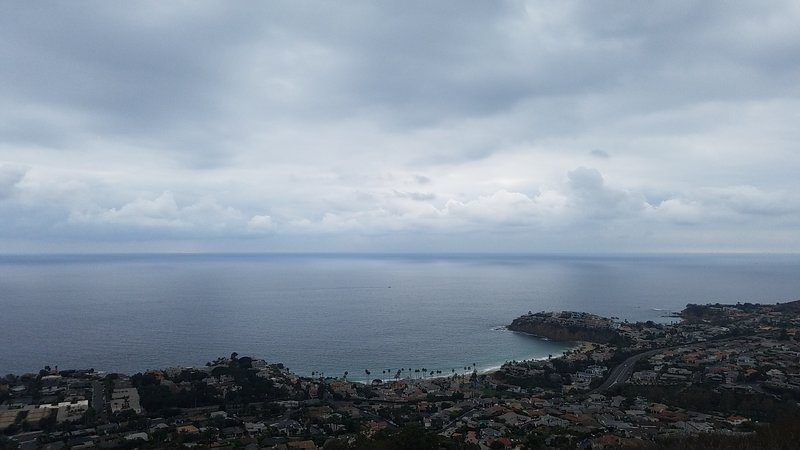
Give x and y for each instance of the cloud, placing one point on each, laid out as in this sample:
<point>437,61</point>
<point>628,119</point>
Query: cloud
<point>421,179</point>
<point>10,176</point>
<point>679,211</point>
<point>261,223</point>
<point>735,204</point>
<point>500,210</point>
<point>595,200</point>
<point>163,213</point>
<point>749,200</point>
<point>418,196</point>
<point>277,122</point>
<point>507,208</point>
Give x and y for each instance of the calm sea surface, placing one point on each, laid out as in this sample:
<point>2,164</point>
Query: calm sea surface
<point>336,313</point>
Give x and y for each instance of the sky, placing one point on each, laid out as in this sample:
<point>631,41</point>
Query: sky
<point>414,126</point>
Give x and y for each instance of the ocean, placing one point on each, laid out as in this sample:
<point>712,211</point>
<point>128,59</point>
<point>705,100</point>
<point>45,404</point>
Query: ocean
<point>337,313</point>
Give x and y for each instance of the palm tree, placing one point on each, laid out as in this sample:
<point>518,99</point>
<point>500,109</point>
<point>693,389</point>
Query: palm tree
<point>345,374</point>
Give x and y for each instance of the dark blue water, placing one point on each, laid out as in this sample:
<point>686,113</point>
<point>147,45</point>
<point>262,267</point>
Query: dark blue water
<point>337,313</point>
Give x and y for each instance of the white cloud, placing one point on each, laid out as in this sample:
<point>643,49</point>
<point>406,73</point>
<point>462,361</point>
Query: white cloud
<point>164,212</point>
<point>595,200</point>
<point>557,123</point>
<point>504,208</point>
<point>749,200</point>
<point>678,211</point>
<point>261,223</point>
<point>735,204</point>
<point>10,176</point>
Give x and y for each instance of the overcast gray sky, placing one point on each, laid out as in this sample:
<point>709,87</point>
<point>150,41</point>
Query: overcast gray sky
<point>485,126</point>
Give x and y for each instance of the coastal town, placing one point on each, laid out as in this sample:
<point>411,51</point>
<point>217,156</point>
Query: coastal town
<point>720,374</point>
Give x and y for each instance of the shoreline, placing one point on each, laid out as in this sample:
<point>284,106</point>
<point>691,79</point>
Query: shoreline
<point>487,369</point>
<point>481,370</point>
<point>579,347</point>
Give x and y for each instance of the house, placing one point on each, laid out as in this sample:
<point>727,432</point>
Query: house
<point>219,415</point>
<point>550,421</point>
<point>288,427</point>
<point>254,427</point>
<point>737,420</point>
<point>134,436</point>
<point>125,399</point>
<point>514,419</point>
<point>299,445</point>
<point>491,433</point>
<point>232,432</point>
<point>187,429</point>
<point>644,377</point>
<point>69,411</point>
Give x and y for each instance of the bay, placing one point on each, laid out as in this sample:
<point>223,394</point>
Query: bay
<point>336,313</point>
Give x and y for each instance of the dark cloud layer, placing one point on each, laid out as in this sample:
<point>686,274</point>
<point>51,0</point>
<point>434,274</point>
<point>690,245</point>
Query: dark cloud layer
<point>390,126</point>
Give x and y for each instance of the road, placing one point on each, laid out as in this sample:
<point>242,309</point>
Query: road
<point>621,373</point>
<point>99,399</point>
<point>624,370</point>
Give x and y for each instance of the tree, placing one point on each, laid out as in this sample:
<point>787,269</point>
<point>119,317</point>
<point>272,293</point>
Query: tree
<point>7,443</point>
<point>497,445</point>
<point>534,441</point>
<point>219,371</point>
<point>413,437</point>
<point>245,362</point>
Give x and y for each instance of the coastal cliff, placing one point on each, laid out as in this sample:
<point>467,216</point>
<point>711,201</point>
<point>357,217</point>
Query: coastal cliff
<point>567,326</point>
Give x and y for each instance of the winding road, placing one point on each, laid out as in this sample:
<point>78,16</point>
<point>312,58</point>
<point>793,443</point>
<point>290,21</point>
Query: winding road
<point>624,370</point>
<point>621,373</point>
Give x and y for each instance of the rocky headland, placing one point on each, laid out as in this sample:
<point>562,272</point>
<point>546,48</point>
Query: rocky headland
<point>567,326</point>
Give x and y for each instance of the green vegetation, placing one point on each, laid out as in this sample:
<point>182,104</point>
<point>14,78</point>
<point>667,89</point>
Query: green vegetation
<point>782,435</point>
<point>757,406</point>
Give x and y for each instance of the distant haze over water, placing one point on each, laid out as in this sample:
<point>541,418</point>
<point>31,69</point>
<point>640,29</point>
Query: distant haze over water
<point>332,313</point>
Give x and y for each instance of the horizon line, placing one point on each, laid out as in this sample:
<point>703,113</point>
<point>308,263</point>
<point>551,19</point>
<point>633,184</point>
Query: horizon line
<point>415,253</point>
